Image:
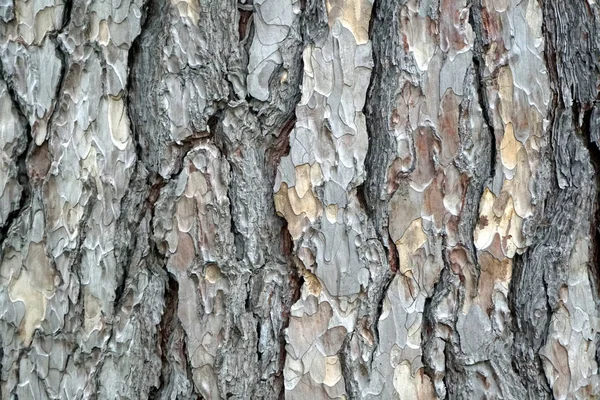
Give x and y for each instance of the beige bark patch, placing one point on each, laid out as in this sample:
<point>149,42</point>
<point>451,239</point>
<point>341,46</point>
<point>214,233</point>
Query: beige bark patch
<point>486,227</point>
<point>433,199</point>
<point>34,302</point>
<point>506,93</point>
<point>103,33</point>
<point>509,147</point>
<point>518,186</point>
<point>311,282</point>
<point>212,273</point>
<point>333,371</point>
<point>93,314</point>
<point>353,14</point>
<point>404,207</point>
<point>503,221</point>
<point>409,243</point>
<point>316,174</point>
<point>331,212</point>
<point>492,271</point>
<point>555,361</point>
<point>185,213</point>
<point>425,143</point>
<point>411,387</point>
<point>299,212</point>
<point>303,182</point>
<point>33,287</point>
<point>419,34</point>
<point>118,123</point>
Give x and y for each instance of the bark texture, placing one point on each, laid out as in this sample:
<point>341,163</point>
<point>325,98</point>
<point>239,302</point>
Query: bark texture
<point>300,199</point>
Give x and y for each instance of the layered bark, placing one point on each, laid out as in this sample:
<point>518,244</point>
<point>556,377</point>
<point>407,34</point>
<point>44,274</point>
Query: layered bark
<point>299,199</point>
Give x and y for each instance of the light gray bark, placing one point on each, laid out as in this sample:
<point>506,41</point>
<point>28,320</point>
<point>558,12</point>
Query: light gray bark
<point>299,199</point>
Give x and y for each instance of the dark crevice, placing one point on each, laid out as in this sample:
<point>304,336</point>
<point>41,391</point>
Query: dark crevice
<point>296,281</point>
<point>64,56</point>
<point>138,206</point>
<point>245,24</point>
<point>591,134</point>
<point>479,48</point>
<point>149,183</point>
<point>135,209</point>
<point>248,306</point>
<point>75,256</point>
<point>280,147</point>
<point>381,141</point>
<point>449,357</point>
<point>238,238</point>
<point>545,329</point>
<point>379,309</point>
<point>275,151</point>
<point>22,353</point>
<point>347,367</point>
<point>275,148</point>
<point>15,100</point>
<point>259,353</point>
<point>165,329</point>
<point>372,195</point>
<point>445,284</point>
<point>549,311</point>
<point>14,215</point>
<point>188,364</point>
<point>392,255</point>
<point>148,11</point>
<point>153,185</point>
<point>68,7</point>
<point>521,294</point>
<point>380,153</point>
<point>20,161</point>
<point>529,284</point>
<point>566,203</point>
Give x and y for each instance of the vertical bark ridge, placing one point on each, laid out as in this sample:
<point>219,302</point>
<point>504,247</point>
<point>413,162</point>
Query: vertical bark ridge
<point>380,154</point>
<point>330,335</point>
<point>254,279</point>
<point>436,123</point>
<point>565,244</point>
<point>482,361</point>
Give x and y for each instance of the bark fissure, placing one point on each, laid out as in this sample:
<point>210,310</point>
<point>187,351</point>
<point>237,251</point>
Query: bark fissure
<point>591,131</point>
<point>137,210</point>
<point>21,162</point>
<point>479,49</point>
<point>371,191</point>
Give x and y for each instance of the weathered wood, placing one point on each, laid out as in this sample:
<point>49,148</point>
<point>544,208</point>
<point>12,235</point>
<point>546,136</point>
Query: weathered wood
<point>364,199</point>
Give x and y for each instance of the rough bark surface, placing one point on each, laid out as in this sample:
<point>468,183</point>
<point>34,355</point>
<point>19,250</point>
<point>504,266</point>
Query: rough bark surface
<point>300,199</point>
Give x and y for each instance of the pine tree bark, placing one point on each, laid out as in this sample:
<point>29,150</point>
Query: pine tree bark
<point>300,199</point>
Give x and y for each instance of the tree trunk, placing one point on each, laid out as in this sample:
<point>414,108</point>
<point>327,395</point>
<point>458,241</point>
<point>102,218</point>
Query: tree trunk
<point>300,199</point>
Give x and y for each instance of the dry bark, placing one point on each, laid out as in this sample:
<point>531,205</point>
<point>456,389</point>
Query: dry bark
<point>300,199</point>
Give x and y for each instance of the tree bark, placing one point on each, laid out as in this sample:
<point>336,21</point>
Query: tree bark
<point>300,199</point>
